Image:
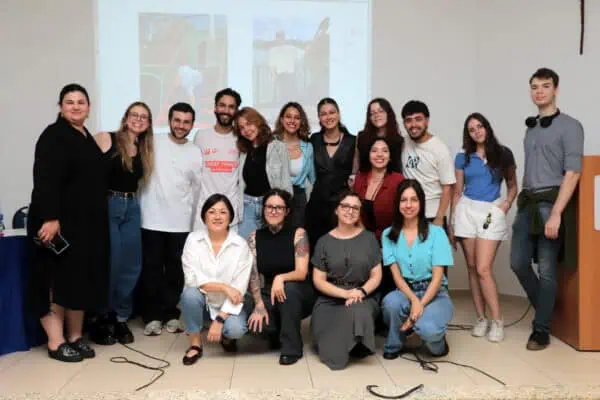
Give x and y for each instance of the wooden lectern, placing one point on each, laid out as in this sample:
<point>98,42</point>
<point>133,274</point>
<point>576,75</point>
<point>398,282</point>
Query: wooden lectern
<point>576,318</point>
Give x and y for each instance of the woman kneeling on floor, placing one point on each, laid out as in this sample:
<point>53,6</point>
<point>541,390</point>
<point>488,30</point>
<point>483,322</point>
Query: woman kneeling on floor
<point>281,258</point>
<point>416,251</point>
<point>347,271</point>
<point>216,265</point>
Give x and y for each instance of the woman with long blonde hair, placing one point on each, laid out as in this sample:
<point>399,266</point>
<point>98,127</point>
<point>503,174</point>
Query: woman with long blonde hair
<point>129,156</point>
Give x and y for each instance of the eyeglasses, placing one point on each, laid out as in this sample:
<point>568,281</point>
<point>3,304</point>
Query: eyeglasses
<point>488,221</point>
<point>349,207</point>
<point>275,209</point>
<point>141,117</point>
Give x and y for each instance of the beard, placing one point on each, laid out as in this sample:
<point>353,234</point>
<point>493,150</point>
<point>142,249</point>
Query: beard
<point>224,119</point>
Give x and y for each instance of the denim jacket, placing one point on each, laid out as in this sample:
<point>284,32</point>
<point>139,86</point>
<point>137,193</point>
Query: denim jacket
<point>308,166</point>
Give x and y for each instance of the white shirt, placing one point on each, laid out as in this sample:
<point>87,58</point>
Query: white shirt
<point>431,164</point>
<point>231,266</point>
<point>167,201</point>
<point>220,173</point>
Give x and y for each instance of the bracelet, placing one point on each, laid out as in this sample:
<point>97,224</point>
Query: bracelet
<point>362,289</point>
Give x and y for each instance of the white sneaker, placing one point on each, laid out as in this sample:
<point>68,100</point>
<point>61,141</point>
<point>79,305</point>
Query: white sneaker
<point>174,326</point>
<point>496,333</point>
<point>153,328</point>
<point>480,328</point>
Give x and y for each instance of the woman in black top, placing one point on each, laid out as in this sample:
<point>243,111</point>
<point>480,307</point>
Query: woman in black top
<point>333,153</point>
<point>281,258</point>
<point>68,201</point>
<point>128,156</point>
<point>380,122</point>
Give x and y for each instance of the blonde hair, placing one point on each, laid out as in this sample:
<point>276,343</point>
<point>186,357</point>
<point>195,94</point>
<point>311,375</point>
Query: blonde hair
<point>145,143</point>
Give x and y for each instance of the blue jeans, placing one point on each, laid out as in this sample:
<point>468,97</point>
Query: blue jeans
<point>541,290</point>
<point>195,311</point>
<point>431,327</point>
<point>125,253</point>
<point>252,218</point>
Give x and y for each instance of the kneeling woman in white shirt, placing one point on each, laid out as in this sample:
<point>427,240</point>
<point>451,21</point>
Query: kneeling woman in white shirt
<point>216,265</point>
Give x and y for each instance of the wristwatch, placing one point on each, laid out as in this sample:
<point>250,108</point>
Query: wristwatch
<point>220,319</point>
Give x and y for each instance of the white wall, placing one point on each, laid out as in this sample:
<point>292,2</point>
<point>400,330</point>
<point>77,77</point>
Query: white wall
<point>458,57</point>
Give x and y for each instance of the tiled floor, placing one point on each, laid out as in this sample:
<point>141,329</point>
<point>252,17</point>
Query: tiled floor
<point>254,367</point>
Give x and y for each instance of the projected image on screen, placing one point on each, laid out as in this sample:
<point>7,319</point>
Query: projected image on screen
<point>182,58</point>
<point>291,62</point>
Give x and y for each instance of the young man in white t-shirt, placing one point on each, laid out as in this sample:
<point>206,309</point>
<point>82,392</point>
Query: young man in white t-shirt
<point>220,155</point>
<point>166,204</point>
<point>427,159</point>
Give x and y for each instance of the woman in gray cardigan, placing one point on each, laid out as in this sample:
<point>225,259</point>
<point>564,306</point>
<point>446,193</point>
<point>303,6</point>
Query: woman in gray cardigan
<point>264,165</point>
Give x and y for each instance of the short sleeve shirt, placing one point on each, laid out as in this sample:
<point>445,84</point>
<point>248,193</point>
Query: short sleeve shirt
<point>416,263</point>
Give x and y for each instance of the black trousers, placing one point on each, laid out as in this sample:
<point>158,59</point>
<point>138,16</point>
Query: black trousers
<point>161,281</point>
<point>298,207</point>
<point>285,318</point>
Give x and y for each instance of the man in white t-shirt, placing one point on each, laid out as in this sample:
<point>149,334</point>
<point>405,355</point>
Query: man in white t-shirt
<point>427,159</point>
<point>166,203</point>
<point>220,155</point>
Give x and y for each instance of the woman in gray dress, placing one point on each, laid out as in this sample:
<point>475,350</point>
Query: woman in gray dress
<point>347,272</point>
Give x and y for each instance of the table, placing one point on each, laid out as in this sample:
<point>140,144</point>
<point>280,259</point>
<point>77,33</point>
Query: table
<point>18,330</point>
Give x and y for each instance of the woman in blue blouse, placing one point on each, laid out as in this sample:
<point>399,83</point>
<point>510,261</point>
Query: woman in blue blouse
<point>293,128</point>
<point>417,252</point>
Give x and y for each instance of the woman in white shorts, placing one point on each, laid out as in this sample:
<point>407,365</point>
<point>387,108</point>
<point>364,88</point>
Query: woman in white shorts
<point>479,222</point>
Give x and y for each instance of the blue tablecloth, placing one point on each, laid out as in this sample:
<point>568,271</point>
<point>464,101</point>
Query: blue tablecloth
<point>19,331</point>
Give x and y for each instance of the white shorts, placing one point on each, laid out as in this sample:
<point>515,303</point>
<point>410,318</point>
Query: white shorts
<point>479,219</point>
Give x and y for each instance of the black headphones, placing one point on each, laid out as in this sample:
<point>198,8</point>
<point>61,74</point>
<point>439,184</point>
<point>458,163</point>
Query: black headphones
<point>545,122</point>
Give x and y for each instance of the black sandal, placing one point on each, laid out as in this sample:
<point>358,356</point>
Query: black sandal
<point>192,359</point>
<point>65,353</point>
<point>83,348</point>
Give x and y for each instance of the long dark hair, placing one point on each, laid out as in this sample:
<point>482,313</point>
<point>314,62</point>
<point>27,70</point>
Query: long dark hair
<point>398,218</point>
<point>494,151</point>
<point>303,131</point>
<point>392,129</point>
<point>329,100</point>
<point>365,162</point>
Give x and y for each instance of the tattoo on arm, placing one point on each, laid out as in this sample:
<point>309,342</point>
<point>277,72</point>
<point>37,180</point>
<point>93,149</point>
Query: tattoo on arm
<point>254,284</point>
<point>302,246</point>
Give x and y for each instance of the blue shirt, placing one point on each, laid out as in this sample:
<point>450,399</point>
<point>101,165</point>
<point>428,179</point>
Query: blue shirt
<point>481,183</point>
<point>308,166</point>
<point>417,262</point>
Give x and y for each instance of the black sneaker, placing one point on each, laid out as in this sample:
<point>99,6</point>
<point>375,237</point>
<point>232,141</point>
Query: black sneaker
<point>229,345</point>
<point>122,333</point>
<point>538,341</point>
<point>444,352</point>
<point>83,348</point>
<point>65,353</point>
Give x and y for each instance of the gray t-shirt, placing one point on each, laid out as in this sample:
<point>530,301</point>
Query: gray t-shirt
<point>220,174</point>
<point>551,151</point>
<point>347,262</point>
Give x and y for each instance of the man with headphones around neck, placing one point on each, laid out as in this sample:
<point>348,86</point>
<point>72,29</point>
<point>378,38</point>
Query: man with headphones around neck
<point>545,219</point>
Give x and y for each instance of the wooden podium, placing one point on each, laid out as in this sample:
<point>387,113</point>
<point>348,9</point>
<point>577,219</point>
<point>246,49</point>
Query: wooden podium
<point>576,318</point>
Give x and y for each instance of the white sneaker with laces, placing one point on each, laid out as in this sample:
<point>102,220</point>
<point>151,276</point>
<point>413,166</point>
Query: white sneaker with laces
<point>480,328</point>
<point>153,328</point>
<point>496,333</point>
<point>174,326</point>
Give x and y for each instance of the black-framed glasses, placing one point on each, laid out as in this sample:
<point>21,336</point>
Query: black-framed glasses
<point>349,207</point>
<point>275,209</point>
<point>488,221</point>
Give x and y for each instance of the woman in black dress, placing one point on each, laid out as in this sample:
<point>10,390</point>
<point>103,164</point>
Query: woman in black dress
<point>281,258</point>
<point>333,153</point>
<point>69,201</point>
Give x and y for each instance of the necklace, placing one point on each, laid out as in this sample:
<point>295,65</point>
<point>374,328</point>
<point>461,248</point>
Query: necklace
<point>333,144</point>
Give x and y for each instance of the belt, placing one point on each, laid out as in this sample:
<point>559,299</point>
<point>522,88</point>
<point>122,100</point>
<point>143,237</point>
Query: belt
<point>125,195</point>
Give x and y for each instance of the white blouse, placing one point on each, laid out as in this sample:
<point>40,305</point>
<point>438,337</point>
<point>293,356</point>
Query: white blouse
<point>231,266</point>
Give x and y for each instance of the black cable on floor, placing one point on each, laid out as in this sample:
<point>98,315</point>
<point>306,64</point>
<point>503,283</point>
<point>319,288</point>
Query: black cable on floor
<point>125,360</point>
<point>468,327</point>
<point>399,396</point>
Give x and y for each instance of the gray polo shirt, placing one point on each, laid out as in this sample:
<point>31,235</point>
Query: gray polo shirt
<point>551,151</point>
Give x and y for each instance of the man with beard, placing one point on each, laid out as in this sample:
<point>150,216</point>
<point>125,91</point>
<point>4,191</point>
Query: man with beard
<point>427,159</point>
<point>221,155</point>
<point>166,202</point>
